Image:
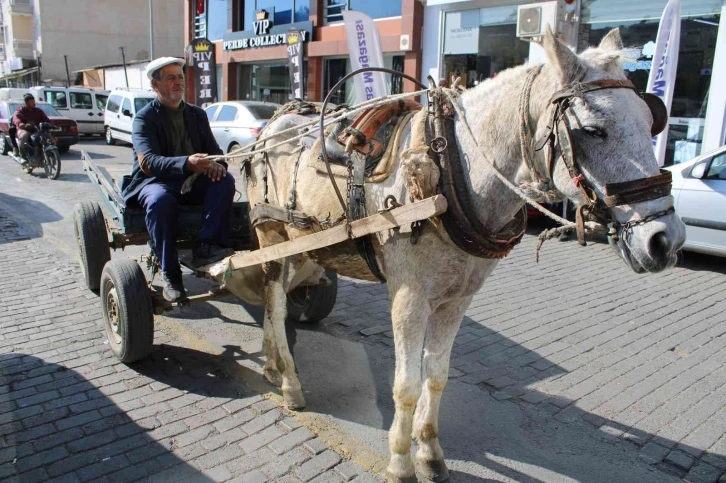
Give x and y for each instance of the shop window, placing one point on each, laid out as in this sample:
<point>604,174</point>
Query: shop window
<point>639,28</point>
<point>265,82</point>
<point>480,43</point>
<point>336,69</point>
<point>374,9</point>
<point>281,12</point>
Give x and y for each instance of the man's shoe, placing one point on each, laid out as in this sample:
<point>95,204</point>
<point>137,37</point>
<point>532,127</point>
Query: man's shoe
<point>173,288</point>
<point>16,152</point>
<point>205,253</point>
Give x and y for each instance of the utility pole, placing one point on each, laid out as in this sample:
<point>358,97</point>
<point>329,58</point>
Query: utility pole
<point>151,32</point>
<point>68,75</point>
<point>126,74</point>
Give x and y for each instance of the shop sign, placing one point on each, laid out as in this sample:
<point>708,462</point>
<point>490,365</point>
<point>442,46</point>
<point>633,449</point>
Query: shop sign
<point>265,34</point>
<point>461,32</point>
<point>295,62</point>
<point>205,71</point>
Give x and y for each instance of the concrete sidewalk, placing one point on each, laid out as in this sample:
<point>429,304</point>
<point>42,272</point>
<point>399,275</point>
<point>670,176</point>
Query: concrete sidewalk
<point>70,411</point>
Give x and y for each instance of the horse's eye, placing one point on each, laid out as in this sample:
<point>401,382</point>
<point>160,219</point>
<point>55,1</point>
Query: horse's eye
<point>595,132</point>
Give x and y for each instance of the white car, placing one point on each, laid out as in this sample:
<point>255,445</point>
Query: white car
<point>237,123</point>
<point>699,189</point>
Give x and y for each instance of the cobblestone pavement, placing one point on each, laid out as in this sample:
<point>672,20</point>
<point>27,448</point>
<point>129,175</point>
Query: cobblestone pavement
<point>576,344</point>
<point>69,411</point>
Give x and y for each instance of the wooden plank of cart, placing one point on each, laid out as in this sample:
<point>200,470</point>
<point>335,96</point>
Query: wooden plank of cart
<point>128,298</point>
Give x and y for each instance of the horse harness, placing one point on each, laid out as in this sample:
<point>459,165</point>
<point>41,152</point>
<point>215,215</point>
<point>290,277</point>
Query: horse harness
<point>558,133</point>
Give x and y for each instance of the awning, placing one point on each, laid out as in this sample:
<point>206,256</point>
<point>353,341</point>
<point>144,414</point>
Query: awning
<point>19,73</point>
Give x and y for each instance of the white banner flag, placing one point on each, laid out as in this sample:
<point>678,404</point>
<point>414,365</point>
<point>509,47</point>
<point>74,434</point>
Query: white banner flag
<point>662,77</point>
<point>364,46</point>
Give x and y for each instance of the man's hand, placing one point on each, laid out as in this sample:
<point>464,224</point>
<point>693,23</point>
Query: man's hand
<point>198,163</point>
<point>215,172</point>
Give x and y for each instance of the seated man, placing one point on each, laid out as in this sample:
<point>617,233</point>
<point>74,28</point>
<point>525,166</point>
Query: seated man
<point>27,119</point>
<point>171,140</point>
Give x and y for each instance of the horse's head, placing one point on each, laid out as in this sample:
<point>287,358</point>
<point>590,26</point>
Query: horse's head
<point>603,153</point>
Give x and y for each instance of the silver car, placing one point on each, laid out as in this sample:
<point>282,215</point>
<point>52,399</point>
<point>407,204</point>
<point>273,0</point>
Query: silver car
<point>699,188</point>
<point>237,123</point>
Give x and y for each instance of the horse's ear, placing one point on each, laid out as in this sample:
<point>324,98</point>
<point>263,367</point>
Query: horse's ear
<point>612,41</point>
<point>562,59</point>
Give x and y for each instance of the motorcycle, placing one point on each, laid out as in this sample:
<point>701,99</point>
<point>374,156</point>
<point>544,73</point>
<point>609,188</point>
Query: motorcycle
<point>41,152</point>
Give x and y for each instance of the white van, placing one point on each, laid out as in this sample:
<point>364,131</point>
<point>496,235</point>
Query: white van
<point>122,106</point>
<point>83,105</point>
<point>7,93</point>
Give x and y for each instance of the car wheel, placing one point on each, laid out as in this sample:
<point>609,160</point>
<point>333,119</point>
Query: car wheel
<point>64,149</point>
<point>4,145</point>
<point>109,137</point>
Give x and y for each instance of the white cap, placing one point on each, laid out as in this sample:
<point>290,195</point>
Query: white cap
<point>157,64</point>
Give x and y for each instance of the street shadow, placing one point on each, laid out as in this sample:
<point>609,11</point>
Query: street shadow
<point>54,423</point>
<point>32,214</point>
<point>701,262</point>
<point>73,178</point>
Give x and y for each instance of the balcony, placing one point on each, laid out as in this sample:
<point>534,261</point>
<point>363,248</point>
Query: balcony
<point>21,7</point>
<point>24,49</point>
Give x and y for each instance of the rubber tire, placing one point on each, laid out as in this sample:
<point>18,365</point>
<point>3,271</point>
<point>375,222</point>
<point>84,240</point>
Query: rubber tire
<point>310,305</point>
<point>93,248</point>
<point>64,149</point>
<point>232,147</point>
<point>135,312</point>
<point>109,136</point>
<point>56,173</point>
<point>5,146</point>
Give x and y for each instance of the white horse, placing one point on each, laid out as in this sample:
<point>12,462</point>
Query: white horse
<point>431,283</point>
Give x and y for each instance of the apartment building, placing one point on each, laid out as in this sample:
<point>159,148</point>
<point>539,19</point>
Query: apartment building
<point>38,36</point>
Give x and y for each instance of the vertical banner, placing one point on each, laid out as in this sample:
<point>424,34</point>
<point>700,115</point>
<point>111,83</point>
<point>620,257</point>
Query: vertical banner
<point>662,78</point>
<point>205,71</point>
<point>295,62</point>
<point>364,47</point>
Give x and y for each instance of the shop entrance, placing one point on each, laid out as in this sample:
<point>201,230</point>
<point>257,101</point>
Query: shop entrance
<point>264,82</point>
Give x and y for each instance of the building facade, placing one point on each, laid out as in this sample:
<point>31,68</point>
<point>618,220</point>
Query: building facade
<point>40,35</point>
<point>478,39</point>
<point>252,63</point>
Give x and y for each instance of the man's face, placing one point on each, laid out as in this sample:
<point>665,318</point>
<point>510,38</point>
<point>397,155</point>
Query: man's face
<point>30,103</point>
<point>171,86</point>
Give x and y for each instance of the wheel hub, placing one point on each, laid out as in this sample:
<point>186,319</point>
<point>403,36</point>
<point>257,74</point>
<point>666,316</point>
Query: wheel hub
<point>113,315</point>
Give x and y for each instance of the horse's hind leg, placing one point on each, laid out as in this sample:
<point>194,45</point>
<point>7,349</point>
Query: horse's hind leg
<point>441,331</point>
<point>409,311</point>
<point>280,367</point>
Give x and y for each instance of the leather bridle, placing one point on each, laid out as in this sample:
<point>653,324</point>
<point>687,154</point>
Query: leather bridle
<point>558,133</point>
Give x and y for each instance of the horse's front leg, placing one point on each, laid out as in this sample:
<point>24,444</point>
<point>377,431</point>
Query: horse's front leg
<point>440,333</point>
<point>409,312</point>
<point>280,367</point>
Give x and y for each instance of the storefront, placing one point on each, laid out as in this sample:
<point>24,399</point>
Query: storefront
<point>478,39</point>
<point>250,37</point>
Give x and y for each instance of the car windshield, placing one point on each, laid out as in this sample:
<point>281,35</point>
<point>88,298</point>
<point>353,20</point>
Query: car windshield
<point>46,108</point>
<point>261,111</point>
<point>141,102</point>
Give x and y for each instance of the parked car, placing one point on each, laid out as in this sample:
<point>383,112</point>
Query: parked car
<point>121,108</point>
<point>83,105</point>
<point>699,189</point>
<point>237,123</point>
<point>65,139</point>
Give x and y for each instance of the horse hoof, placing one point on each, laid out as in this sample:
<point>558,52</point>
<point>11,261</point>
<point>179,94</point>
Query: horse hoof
<point>391,478</point>
<point>273,376</point>
<point>434,470</point>
<point>294,400</point>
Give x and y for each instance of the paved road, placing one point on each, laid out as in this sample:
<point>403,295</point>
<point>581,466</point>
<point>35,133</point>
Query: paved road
<point>573,369</point>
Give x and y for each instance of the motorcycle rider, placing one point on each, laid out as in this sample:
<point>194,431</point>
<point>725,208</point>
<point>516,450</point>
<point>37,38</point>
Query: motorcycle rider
<point>27,118</point>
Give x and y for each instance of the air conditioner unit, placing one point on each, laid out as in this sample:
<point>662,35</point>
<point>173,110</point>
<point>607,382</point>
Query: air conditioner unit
<point>533,18</point>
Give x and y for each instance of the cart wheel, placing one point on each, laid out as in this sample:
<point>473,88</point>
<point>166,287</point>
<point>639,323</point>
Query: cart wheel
<point>92,241</point>
<point>127,310</point>
<point>312,304</point>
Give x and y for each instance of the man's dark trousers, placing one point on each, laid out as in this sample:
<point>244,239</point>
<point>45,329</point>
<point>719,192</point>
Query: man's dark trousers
<point>161,200</point>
